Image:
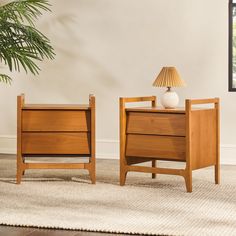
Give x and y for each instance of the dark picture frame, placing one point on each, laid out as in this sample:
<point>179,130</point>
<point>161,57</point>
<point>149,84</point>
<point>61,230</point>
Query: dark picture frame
<point>230,69</point>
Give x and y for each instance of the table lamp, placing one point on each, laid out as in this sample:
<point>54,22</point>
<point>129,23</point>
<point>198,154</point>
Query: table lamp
<point>169,77</point>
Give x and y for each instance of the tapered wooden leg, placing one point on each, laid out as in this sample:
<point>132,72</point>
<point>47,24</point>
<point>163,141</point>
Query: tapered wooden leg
<point>153,165</point>
<point>92,172</point>
<point>19,170</point>
<point>188,181</point>
<point>92,176</point>
<point>217,174</point>
<point>18,175</point>
<point>123,175</point>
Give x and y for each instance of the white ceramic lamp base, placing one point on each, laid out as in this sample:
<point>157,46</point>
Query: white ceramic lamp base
<point>170,99</point>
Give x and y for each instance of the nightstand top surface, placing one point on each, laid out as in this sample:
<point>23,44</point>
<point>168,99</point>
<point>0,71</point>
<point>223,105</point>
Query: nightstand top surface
<point>55,107</point>
<point>157,109</point>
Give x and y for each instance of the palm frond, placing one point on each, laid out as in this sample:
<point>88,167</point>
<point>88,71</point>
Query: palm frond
<point>21,10</point>
<point>22,45</point>
<point>5,78</point>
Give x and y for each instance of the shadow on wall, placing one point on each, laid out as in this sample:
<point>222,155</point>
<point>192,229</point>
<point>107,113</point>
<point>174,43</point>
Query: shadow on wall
<point>74,70</point>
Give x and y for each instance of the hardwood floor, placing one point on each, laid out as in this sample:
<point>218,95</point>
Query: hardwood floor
<point>26,231</point>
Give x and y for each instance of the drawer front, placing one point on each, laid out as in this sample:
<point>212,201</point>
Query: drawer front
<point>156,123</point>
<point>56,143</point>
<point>163,147</point>
<point>43,120</point>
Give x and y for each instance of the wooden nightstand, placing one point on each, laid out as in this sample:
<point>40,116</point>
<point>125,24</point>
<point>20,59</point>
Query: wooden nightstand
<point>55,130</point>
<point>189,135</point>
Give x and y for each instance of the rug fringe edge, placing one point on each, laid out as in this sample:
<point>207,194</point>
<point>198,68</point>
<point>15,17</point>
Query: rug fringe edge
<point>83,229</point>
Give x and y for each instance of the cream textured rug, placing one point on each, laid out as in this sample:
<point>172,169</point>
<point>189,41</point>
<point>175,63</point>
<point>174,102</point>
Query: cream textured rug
<point>66,199</point>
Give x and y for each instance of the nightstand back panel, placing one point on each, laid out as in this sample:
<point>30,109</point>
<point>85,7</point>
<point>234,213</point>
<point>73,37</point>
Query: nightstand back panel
<point>55,143</point>
<point>165,147</point>
<point>156,123</point>
<point>45,120</point>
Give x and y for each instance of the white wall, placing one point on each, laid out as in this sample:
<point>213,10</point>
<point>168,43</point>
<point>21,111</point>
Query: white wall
<point>116,48</point>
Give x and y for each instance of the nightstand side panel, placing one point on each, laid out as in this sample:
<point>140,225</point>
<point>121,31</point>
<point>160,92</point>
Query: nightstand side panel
<point>203,138</point>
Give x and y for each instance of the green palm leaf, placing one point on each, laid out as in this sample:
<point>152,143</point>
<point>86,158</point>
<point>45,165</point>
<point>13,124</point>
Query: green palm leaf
<point>21,44</point>
<point>5,78</point>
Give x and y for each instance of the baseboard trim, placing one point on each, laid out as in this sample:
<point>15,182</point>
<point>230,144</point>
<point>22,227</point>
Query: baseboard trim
<point>228,154</point>
<point>7,144</point>
<point>109,149</point>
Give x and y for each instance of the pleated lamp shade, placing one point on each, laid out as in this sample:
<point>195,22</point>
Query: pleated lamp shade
<point>168,77</point>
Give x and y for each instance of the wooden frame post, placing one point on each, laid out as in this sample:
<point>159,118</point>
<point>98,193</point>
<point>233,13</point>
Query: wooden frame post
<point>123,120</point>
<point>188,169</point>
<point>92,169</point>
<point>20,168</point>
<point>123,163</point>
<point>217,165</point>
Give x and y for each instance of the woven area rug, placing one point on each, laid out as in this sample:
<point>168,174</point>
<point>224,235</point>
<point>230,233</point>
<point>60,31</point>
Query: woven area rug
<point>65,199</point>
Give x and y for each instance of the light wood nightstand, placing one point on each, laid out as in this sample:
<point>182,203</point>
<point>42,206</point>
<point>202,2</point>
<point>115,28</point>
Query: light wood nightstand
<point>55,130</point>
<point>189,135</point>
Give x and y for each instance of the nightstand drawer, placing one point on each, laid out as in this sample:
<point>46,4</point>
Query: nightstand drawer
<point>56,143</point>
<point>165,147</point>
<point>156,123</point>
<point>44,120</point>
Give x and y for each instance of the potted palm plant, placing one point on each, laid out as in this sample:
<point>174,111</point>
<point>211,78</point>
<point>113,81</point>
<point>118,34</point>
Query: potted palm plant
<point>21,44</point>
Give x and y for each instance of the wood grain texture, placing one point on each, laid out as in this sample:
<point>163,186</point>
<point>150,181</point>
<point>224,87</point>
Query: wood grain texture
<point>137,160</point>
<point>164,147</point>
<point>123,162</point>
<point>188,169</point>
<point>189,134</point>
<point>217,166</point>
<point>204,101</point>
<point>20,104</point>
<point>140,99</point>
<point>203,145</point>
<point>155,109</point>
<point>92,167</point>
<point>55,120</point>
<point>55,143</point>
<point>146,169</point>
<point>55,130</point>
<point>56,166</point>
<point>123,123</point>
<point>156,123</point>
<point>56,107</point>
